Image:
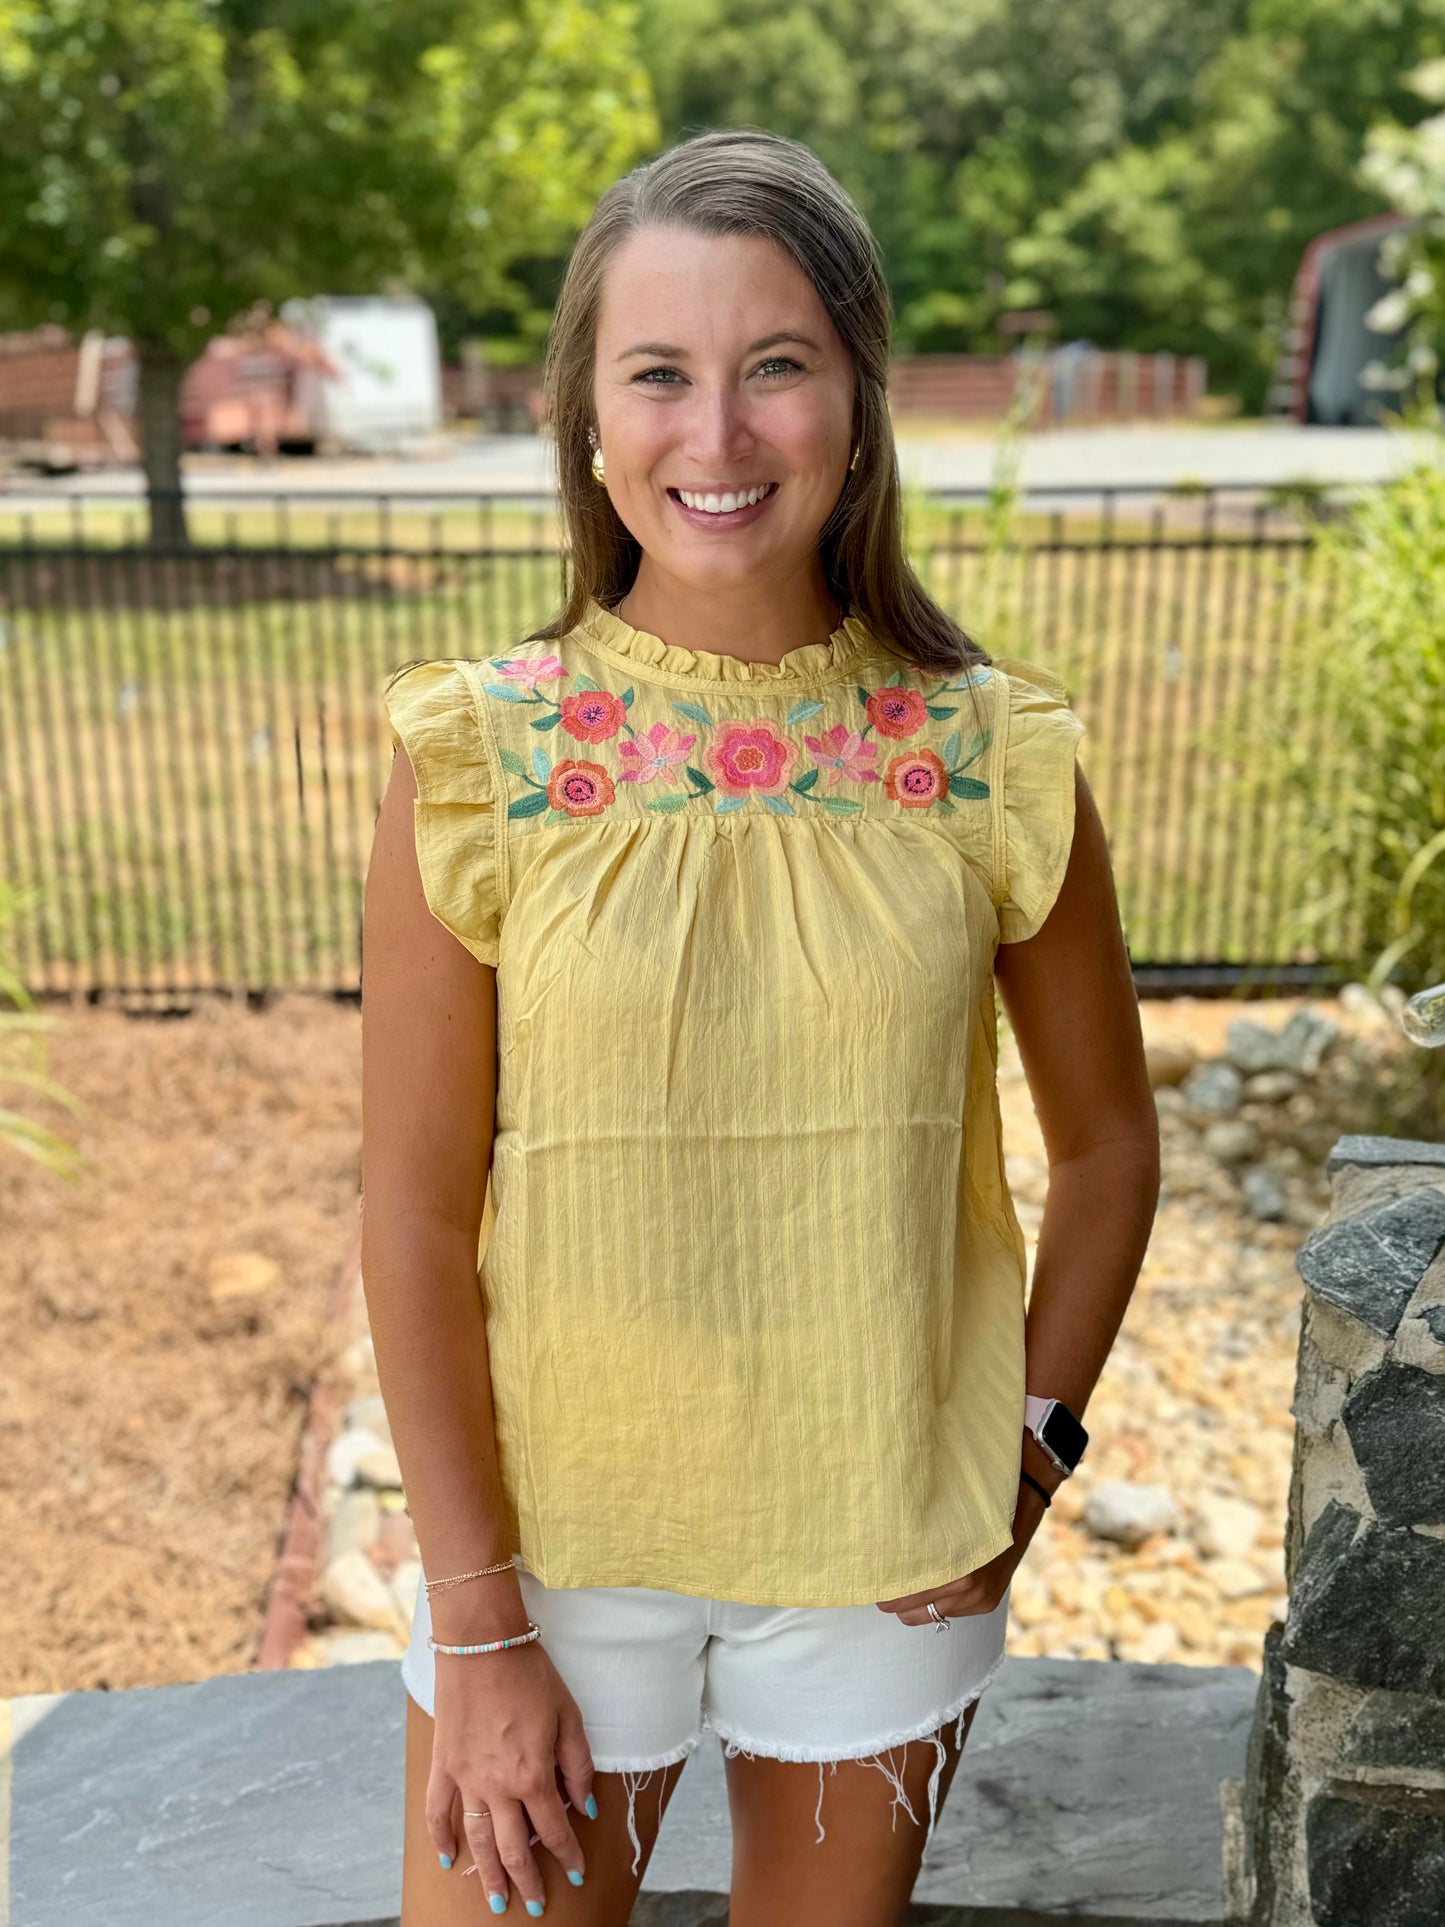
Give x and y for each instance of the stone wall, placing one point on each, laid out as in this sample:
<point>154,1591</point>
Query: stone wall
<point>1340,1818</point>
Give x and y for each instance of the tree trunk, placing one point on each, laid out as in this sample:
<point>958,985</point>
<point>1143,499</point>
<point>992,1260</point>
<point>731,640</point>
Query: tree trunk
<point>160,434</point>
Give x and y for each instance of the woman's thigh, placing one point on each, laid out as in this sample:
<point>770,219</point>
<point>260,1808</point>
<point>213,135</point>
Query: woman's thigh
<point>863,1871</point>
<point>432,1896</point>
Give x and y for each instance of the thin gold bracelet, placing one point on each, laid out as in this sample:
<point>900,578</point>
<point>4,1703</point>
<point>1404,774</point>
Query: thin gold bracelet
<point>440,1585</point>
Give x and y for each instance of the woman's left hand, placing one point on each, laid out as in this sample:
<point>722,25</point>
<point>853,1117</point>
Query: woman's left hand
<point>981,1590</point>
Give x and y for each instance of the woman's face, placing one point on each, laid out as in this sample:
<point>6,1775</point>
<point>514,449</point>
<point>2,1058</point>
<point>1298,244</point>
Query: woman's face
<point>718,374</point>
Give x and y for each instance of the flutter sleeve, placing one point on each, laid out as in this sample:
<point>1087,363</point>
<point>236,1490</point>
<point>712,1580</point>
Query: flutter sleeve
<point>429,711</point>
<point>1034,796</point>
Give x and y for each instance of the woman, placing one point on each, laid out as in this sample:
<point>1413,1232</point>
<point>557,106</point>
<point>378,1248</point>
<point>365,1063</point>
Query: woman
<point>681,934</point>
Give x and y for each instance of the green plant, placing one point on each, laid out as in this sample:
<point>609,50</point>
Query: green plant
<point>1376,810</point>
<point>23,1064</point>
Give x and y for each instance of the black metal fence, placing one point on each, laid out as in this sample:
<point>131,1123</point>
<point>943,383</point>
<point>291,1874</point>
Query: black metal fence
<point>193,747</point>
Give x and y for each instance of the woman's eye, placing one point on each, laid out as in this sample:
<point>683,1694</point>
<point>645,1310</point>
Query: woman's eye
<point>783,364</point>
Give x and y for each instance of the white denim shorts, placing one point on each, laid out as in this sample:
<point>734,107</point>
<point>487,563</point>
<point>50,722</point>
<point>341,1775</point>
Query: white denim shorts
<point>653,1671</point>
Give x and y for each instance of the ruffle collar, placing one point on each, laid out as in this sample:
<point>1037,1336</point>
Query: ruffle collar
<point>810,662</point>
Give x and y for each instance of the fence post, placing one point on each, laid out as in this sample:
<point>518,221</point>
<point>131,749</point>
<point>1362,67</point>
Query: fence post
<point>1340,1817</point>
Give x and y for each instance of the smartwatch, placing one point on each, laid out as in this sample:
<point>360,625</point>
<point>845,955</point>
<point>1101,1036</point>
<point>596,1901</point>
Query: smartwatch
<point>1057,1430</point>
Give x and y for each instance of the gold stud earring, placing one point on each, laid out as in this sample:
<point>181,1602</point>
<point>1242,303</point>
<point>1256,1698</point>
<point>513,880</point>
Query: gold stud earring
<point>598,472</point>
<point>858,449</point>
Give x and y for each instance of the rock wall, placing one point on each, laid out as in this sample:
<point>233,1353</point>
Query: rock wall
<point>1340,1818</point>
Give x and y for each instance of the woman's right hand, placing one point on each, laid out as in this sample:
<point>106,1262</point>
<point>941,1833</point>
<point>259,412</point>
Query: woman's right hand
<point>505,1724</point>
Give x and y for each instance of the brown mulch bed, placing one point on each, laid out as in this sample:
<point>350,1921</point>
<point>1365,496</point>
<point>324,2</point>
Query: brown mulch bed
<point>163,1326</point>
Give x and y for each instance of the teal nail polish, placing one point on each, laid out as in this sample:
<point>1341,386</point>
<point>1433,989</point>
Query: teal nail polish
<point>574,1876</point>
<point>534,1906</point>
<point>591,1806</point>
<point>445,1859</point>
<point>498,1903</point>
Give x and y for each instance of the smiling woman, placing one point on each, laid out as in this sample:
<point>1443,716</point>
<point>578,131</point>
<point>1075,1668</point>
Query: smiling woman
<point>682,935</point>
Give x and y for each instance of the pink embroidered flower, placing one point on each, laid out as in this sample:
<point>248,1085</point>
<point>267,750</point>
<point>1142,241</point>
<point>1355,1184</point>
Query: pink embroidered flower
<point>750,759</point>
<point>916,779</point>
<point>896,712</point>
<point>592,715</point>
<point>653,752</point>
<point>529,670</point>
<point>581,789</point>
<point>844,752</point>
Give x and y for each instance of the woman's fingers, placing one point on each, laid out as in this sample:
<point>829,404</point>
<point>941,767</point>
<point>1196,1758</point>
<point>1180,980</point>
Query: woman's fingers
<point>511,1831</point>
<point>554,1830</point>
<point>574,1759</point>
<point>440,1795</point>
<point>482,1839</point>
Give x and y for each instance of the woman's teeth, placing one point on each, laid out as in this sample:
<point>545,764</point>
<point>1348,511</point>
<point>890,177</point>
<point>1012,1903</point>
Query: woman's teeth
<point>724,504</point>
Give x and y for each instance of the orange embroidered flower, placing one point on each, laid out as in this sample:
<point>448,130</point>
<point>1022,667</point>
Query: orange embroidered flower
<point>581,789</point>
<point>750,759</point>
<point>592,715</point>
<point>897,713</point>
<point>916,779</point>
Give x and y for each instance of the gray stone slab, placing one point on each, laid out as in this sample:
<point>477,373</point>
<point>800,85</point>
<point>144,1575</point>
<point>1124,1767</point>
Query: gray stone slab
<point>1088,1793</point>
<point>1379,1152</point>
<point>1371,1263</point>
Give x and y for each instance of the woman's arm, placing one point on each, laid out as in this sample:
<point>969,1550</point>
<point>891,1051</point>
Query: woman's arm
<point>428,1078</point>
<point>1070,998</point>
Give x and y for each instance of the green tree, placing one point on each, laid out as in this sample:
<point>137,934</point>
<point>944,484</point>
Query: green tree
<point>165,165</point>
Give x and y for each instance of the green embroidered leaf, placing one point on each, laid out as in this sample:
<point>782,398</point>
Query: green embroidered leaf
<point>944,804</point>
<point>894,680</point>
<point>969,786</point>
<point>549,721</point>
<point>949,752</point>
<point>532,804</point>
<point>939,711</point>
<point>727,803</point>
<point>586,682</point>
<point>695,713</point>
<point>838,805</point>
<point>800,712</point>
<point>512,761</point>
<point>862,695</point>
<point>805,783</point>
<point>980,743</point>
<point>677,802</point>
<point>541,763</point>
<point>508,692</point>
<point>779,805</point>
<point>556,816</point>
<point>702,784</point>
<point>627,698</point>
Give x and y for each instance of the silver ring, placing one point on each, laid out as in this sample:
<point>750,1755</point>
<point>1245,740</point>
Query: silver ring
<point>485,1814</point>
<point>937,1617</point>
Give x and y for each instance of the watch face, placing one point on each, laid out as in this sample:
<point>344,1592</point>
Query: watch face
<point>1063,1433</point>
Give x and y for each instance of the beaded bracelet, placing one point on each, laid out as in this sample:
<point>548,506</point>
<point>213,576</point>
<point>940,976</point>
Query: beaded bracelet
<point>495,1646</point>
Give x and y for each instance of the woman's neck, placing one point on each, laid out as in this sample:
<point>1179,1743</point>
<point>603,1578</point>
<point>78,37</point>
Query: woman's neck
<point>757,624</point>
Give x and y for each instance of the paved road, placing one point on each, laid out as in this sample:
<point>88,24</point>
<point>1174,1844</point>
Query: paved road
<point>1255,455</point>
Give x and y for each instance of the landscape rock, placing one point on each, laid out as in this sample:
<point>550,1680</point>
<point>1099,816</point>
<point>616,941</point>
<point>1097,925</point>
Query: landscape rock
<point>353,1591</point>
<point>1223,1527</point>
<point>355,1523</point>
<point>1168,1064</point>
<point>1271,1087</point>
<point>1370,1264</point>
<point>346,1452</point>
<point>1263,1193</point>
<point>1128,1514</point>
<point>1232,1140</point>
<point>379,1467</point>
<point>1213,1090</point>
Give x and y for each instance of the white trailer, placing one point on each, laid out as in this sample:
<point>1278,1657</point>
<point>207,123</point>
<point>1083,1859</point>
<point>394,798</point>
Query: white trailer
<point>390,386</point>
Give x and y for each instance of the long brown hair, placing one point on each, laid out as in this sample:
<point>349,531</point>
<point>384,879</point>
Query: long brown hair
<point>748,181</point>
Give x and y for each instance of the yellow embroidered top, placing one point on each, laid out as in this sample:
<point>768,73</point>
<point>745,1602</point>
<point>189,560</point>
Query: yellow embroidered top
<point>752,1278</point>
